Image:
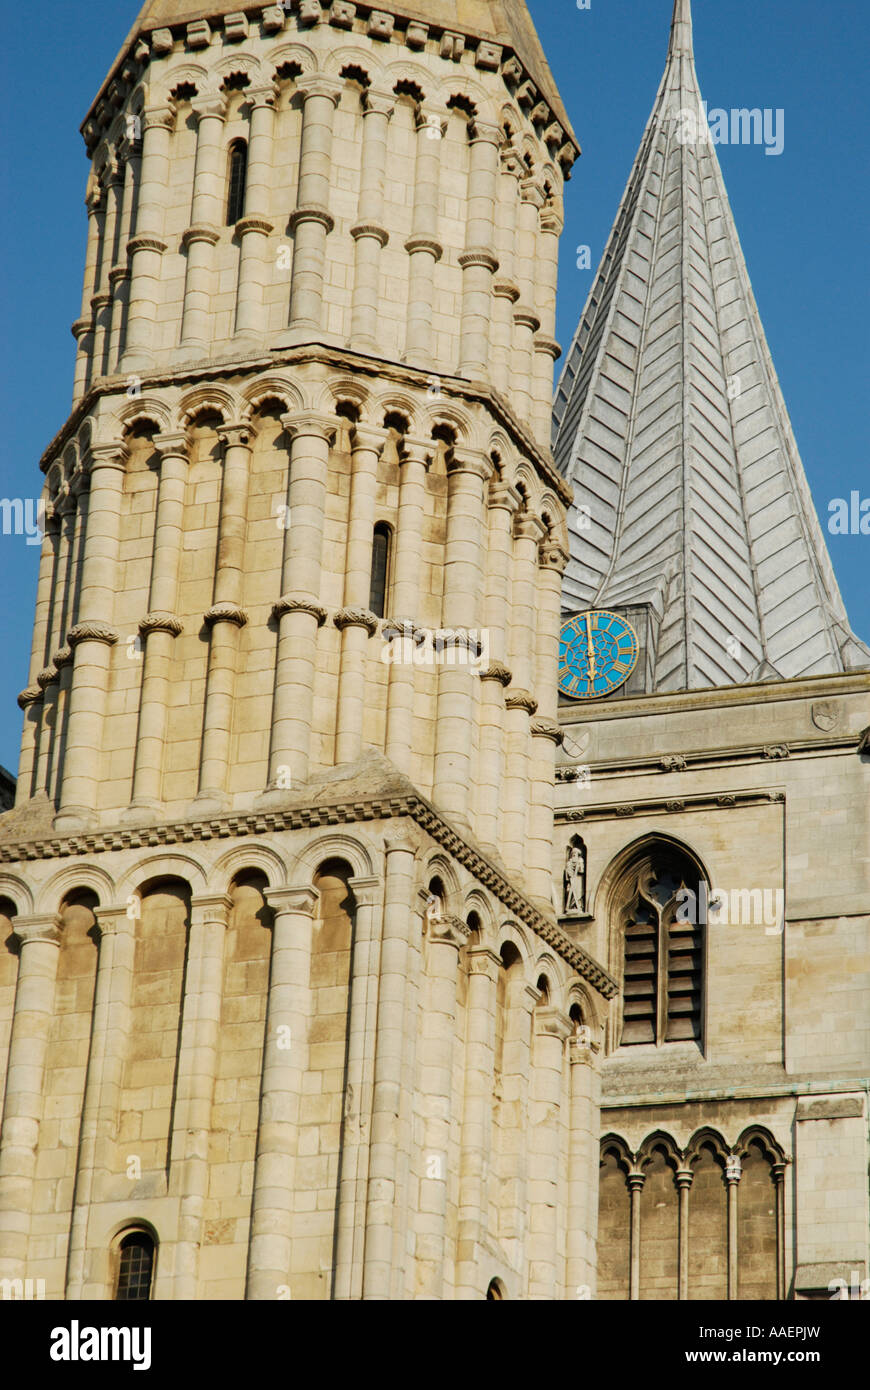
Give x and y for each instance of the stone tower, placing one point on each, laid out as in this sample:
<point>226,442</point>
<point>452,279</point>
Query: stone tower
<point>287,1008</point>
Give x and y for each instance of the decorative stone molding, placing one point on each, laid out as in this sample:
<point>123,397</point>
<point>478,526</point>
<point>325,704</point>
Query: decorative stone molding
<point>512,70</point>
<point>452,46</point>
<point>545,728</point>
<point>312,213</point>
<point>161,42</point>
<point>100,301</point>
<point>568,772</point>
<point>287,604</point>
<point>625,810</point>
<point>506,289</point>
<point>663,806</point>
<point>488,56</point>
<point>225,613</point>
<point>30,696</point>
<point>254,224</point>
<point>161,622</point>
<point>528,527</point>
<point>380,25</point>
<point>310,13</point>
<point>64,656</point>
<point>675,805</point>
<point>92,632</point>
<point>503,495</point>
<point>317,84</point>
<point>356,617</point>
<point>342,14</point>
<point>472,461</point>
<point>525,316</point>
<point>198,34</point>
<point>47,676</point>
<point>311,422</point>
<point>424,243</point>
<point>404,627</point>
<point>44,928</point>
<point>674,762</point>
<point>156,116</point>
<point>273,19</point>
<point>171,445</point>
<point>201,232</point>
<point>303,899</point>
<point>81,328</point>
<point>372,229</point>
<point>775,750</point>
<point>238,434</point>
<point>117,274</point>
<point>496,671</point>
<point>548,346</point>
<point>521,699</point>
<point>552,1023</point>
<point>416,35</point>
<point>450,931</point>
<point>235,26</point>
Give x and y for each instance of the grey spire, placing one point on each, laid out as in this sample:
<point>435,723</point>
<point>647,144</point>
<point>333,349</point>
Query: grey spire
<point>690,495</point>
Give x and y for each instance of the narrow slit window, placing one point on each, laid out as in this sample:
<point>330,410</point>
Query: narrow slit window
<point>237,179</point>
<point>135,1268</point>
<point>380,569</point>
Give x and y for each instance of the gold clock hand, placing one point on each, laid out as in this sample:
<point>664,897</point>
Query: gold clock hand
<point>589,648</point>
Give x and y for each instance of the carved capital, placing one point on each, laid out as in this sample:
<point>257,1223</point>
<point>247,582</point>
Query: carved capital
<point>210,107</point>
<point>159,117</point>
<point>47,676</point>
<point>145,243</point>
<point>733,1168</point>
<point>63,657</point>
<point>30,696</point>
<point>225,613</point>
<point>496,671</point>
<point>356,617</point>
<point>310,424</point>
<point>506,289</point>
<point>318,85</point>
<point>553,556</point>
<point>525,316</point>
<point>521,699</point>
<point>254,224</point>
<point>502,496</point>
<point>92,632</point>
<point>424,243</point>
<point>289,604</point>
<point>112,456</point>
<point>378,103</point>
<point>528,527</point>
<point>480,256</point>
<point>300,901</point>
<point>160,622</point>
<point>486,133</point>
<point>367,437</point>
<point>171,446</point>
<point>545,728</point>
<point>552,1023</point>
<point>548,346</point>
<point>201,232</point>
<point>45,928</point>
<point>370,229</point>
<point>449,931</point>
<point>469,461</point>
<point>239,435</point>
<point>313,212</point>
<point>261,96</point>
<point>420,451</point>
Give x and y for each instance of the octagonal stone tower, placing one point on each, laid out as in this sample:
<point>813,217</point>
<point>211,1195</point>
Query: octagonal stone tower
<point>288,996</point>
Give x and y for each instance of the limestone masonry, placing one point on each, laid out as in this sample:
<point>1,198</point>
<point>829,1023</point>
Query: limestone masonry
<point>340,958</point>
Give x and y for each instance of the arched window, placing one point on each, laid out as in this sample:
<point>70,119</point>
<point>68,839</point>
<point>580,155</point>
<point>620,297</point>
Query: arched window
<point>237,178</point>
<point>495,1293</point>
<point>380,569</point>
<point>135,1267</point>
<point>661,922</point>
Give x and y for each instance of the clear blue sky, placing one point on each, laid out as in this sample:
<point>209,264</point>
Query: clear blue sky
<point>802,217</point>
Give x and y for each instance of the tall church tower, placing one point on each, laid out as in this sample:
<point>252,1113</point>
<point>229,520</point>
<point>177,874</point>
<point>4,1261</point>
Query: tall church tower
<point>713,811</point>
<point>287,1007</point>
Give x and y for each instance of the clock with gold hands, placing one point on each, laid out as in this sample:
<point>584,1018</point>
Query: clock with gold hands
<point>598,651</point>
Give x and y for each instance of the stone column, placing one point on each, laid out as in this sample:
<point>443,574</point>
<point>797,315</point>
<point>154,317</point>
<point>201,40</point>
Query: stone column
<point>37,735</point>
<point>369,233</point>
<point>387,1139</point>
<point>119,275</point>
<point>779,1180</point>
<point>362,1030</point>
<point>446,936</point>
<point>206,216</point>
<point>526,317</point>
<point>311,222</point>
<point>226,617</point>
<point>545,348</point>
<point>356,622</point>
<point>546,733</point>
<point>505,288</point>
<point>284,1064</point>
<point>92,638</point>
<point>635,1186</point>
<point>147,246</point>
<point>684,1182</point>
<point>253,229</point>
<point>414,462</point>
<point>24,1102</point>
<point>101,1108</point>
<point>478,261</point>
<point>101,302</point>
<point>520,703</point>
<point>161,625</point>
<point>516,1076</point>
<point>552,1028</point>
<point>83,328</point>
<point>494,675</point>
<point>298,612</point>
<point>195,1081</point>
<point>733,1172</point>
<point>464,562</point>
<point>583,1159</point>
<point>477,1140</point>
<point>70,505</point>
<point>423,247</point>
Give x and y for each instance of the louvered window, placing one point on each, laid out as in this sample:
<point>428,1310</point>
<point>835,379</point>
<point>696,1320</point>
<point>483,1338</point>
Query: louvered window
<point>663,952</point>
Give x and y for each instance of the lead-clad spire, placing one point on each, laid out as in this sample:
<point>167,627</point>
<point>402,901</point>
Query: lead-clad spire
<point>690,495</point>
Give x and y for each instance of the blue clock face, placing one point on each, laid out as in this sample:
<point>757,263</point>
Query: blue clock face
<point>597,652</point>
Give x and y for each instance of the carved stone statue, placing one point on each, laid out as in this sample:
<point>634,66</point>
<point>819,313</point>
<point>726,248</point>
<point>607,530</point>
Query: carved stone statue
<point>575,879</point>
